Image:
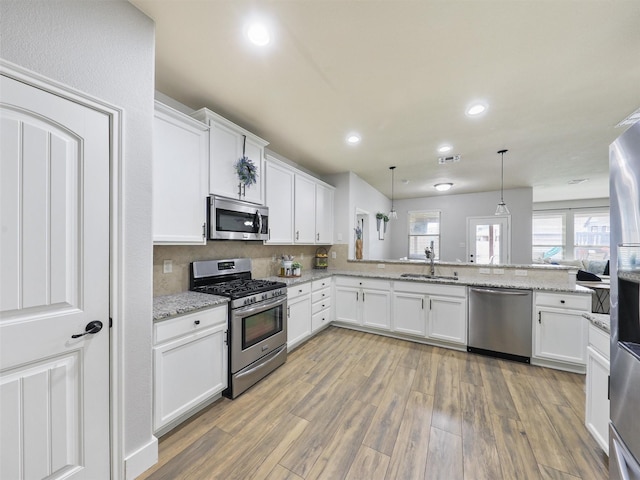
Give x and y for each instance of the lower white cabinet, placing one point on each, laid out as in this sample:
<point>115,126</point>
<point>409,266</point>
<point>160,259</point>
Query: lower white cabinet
<point>448,319</point>
<point>190,364</point>
<point>298,314</point>
<point>409,313</point>
<point>560,330</point>
<point>363,302</point>
<point>437,312</point>
<point>597,414</point>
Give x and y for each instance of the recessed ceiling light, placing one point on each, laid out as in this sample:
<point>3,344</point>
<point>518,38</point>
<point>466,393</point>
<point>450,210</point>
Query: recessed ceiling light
<point>353,138</point>
<point>443,187</point>
<point>577,181</point>
<point>476,109</point>
<point>405,181</point>
<point>258,34</point>
<point>444,148</point>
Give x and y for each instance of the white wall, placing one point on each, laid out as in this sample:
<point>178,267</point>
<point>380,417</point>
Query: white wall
<point>106,49</point>
<point>353,193</point>
<point>454,212</point>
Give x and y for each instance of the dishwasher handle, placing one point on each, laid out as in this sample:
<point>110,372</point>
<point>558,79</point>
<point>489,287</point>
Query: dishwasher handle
<point>500,292</point>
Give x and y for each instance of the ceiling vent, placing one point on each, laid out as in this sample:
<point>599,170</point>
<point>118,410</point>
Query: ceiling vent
<point>631,119</point>
<point>449,159</point>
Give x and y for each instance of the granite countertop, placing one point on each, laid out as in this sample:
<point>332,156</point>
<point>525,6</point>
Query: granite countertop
<point>166,306</point>
<point>308,276</point>
<point>600,320</point>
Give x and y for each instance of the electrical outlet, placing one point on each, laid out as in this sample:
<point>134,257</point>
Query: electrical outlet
<point>498,271</point>
<point>333,255</point>
<point>167,266</point>
<point>521,273</point>
<point>381,265</point>
<point>302,256</point>
<point>484,271</point>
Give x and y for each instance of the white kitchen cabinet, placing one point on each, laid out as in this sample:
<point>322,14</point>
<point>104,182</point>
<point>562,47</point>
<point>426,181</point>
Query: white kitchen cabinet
<point>180,170</point>
<point>363,302</point>
<point>409,313</point>
<point>279,199</point>
<point>438,312</point>
<point>320,304</point>
<point>228,142</point>
<point>560,331</point>
<point>597,386</point>
<point>298,314</point>
<point>324,214</point>
<point>304,210</point>
<point>190,364</point>
<point>448,319</point>
<point>347,303</point>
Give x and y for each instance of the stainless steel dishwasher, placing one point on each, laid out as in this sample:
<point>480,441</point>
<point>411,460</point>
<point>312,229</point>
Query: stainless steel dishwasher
<point>500,322</point>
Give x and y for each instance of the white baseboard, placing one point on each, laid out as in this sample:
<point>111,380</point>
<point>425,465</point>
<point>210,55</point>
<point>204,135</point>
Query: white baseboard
<point>141,460</point>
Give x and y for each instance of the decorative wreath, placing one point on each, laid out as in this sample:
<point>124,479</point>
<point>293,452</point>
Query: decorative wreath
<point>247,171</point>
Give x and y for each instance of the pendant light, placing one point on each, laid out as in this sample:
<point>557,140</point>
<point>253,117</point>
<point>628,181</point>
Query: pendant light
<point>393,215</point>
<point>502,208</point>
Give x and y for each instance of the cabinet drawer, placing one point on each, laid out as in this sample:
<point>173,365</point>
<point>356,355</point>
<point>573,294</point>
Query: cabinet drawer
<point>359,282</point>
<point>320,284</point>
<point>321,305</point>
<point>574,302</point>
<point>319,320</point>
<point>296,291</point>
<point>190,323</point>
<point>320,295</point>
<point>599,340</point>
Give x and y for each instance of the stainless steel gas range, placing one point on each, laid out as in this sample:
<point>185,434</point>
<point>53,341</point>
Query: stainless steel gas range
<point>257,319</point>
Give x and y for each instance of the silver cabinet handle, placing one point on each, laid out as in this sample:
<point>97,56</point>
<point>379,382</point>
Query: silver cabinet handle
<point>297,234</point>
<point>317,237</point>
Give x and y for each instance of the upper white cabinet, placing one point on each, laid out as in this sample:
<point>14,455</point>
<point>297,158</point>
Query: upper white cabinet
<point>560,331</point>
<point>228,144</point>
<point>304,210</point>
<point>324,214</point>
<point>300,206</point>
<point>180,171</point>
<point>279,199</point>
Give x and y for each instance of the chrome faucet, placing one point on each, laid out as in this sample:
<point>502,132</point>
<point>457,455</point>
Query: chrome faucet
<point>431,255</point>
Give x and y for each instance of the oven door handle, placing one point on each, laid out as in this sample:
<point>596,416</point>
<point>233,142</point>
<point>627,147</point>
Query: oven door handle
<point>260,307</point>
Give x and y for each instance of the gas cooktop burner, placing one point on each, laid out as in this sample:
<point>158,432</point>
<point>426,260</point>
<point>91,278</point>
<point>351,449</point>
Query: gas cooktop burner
<point>240,288</point>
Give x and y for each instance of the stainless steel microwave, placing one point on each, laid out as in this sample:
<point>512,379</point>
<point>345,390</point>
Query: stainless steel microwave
<point>231,219</point>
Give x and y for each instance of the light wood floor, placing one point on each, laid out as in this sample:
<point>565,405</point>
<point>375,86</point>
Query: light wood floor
<point>350,405</point>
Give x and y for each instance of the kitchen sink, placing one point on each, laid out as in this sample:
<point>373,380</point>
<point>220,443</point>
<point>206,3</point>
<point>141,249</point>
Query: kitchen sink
<point>426,276</point>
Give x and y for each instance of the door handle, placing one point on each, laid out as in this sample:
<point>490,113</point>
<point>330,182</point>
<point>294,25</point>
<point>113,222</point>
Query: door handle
<point>540,318</point>
<point>91,328</point>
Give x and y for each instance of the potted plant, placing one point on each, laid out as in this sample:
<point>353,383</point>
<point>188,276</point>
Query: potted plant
<point>296,268</point>
<point>386,220</point>
<point>379,218</point>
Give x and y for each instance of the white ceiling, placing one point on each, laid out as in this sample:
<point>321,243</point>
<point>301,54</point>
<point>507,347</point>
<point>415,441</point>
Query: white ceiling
<point>557,76</point>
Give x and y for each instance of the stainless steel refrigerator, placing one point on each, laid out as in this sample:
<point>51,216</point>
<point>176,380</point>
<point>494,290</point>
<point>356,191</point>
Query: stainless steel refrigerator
<point>624,438</point>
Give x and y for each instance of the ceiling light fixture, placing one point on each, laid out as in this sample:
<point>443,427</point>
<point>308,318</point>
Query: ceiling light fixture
<point>577,181</point>
<point>443,187</point>
<point>444,148</point>
<point>393,215</point>
<point>476,109</point>
<point>258,34</point>
<point>353,138</point>
<point>502,208</point>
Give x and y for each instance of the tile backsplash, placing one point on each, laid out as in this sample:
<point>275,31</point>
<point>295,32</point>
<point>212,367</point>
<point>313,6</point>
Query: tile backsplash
<point>265,260</point>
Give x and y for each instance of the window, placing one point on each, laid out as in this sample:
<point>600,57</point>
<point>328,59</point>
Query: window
<point>580,234</point>
<point>548,236</point>
<point>424,228</point>
<point>591,233</point>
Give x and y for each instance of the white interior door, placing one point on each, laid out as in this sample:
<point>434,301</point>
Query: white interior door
<point>54,251</point>
<point>489,240</point>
